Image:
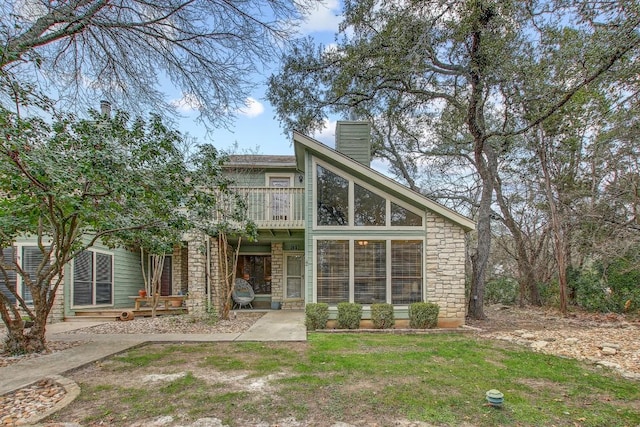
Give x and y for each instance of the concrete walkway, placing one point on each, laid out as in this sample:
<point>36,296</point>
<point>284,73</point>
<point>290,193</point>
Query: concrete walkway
<point>276,325</point>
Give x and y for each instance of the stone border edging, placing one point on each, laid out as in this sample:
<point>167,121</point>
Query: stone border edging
<point>72,391</point>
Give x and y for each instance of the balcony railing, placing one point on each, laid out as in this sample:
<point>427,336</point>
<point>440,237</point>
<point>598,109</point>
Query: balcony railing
<point>273,207</point>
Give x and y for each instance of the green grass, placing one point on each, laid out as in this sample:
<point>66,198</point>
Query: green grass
<point>377,378</point>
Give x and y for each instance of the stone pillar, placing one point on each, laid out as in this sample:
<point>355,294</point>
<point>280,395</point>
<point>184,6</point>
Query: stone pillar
<point>277,272</point>
<point>445,259</point>
<point>176,270</point>
<point>216,275</point>
<point>196,280</point>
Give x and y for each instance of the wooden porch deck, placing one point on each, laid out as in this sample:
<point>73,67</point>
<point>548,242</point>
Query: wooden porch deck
<point>103,314</point>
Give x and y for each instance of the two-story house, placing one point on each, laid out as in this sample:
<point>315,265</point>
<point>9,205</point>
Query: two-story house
<point>331,229</point>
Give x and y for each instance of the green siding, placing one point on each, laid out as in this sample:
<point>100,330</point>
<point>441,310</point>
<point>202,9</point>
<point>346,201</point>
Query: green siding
<point>127,277</point>
<point>354,140</point>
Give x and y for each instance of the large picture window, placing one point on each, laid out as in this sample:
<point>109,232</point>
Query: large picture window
<point>369,271</point>
<point>406,271</point>
<point>332,198</point>
<point>92,278</point>
<point>332,271</point>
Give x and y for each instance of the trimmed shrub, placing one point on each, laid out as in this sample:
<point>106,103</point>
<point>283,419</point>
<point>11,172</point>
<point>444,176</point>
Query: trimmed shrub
<point>349,315</point>
<point>316,315</point>
<point>423,315</point>
<point>382,316</point>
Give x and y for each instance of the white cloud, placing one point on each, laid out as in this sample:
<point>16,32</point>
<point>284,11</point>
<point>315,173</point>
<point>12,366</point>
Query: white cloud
<point>252,108</point>
<point>328,133</point>
<point>325,16</point>
<point>187,103</point>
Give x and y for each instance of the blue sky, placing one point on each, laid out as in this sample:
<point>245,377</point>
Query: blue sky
<point>255,128</point>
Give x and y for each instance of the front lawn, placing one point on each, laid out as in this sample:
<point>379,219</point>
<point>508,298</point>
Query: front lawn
<point>361,379</point>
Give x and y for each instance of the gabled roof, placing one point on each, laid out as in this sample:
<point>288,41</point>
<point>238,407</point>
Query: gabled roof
<point>302,142</point>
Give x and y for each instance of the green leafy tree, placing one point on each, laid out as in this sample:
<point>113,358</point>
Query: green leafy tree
<point>73,182</point>
<point>460,70</point>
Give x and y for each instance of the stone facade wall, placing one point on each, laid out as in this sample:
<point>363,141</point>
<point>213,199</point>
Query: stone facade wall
<point>277,272</point>
<point>445,258</point>
<point>176,271</point>
<point>196,279</point>
<point>216,275</point>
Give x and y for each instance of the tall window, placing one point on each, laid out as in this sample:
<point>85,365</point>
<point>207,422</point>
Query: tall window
<point>332,198</point>
<point>370,271</point>
<point>369,208</point>
<point>406,271</point>
<point>92,278</point>
<point>332,271</point>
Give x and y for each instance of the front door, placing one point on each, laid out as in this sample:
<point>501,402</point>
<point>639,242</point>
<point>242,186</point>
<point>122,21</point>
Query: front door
<point>294,276</point>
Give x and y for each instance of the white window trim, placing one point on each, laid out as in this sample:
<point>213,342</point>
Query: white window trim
<point>352,181</point>
<point>19,245</point>
<point>285,275</point>
<point>352,239</point>
<point>269,175</point>
<point>113,285</point>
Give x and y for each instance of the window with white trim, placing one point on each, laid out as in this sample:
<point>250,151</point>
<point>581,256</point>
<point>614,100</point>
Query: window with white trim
<point>332,196</point>
<point>332,271</point>
<point>406,271</point>
<point>344,201</point>
<point>369,271</point>
<point>92,278</point>
<point>29,259</point>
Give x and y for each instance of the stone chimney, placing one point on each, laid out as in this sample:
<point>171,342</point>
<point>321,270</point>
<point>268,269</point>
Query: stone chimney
<point>105,108</point>
<point>353,139</point>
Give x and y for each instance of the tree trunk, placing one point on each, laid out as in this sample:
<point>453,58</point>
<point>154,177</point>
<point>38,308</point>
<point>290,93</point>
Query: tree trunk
<point>480,258</point>
<point>559,238</point>
<point>524,259</point>
<point>21,339</point>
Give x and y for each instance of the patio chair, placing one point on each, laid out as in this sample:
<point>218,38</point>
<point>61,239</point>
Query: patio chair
<point>242,293</point>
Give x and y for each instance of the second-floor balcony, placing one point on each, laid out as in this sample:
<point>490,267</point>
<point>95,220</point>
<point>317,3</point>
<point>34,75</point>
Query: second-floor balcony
<point>274,207</point>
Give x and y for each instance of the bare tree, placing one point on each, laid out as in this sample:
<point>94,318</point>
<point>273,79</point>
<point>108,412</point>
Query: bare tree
<point>125,51</point>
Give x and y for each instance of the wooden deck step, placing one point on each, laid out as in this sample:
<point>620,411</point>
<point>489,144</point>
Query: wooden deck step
<point>104,315</point>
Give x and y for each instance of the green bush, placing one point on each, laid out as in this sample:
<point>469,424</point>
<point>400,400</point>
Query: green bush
<point>501,291</point>
<point>316,316</point>
<point>608,288</point>
<point>423,315</point>
<point>382,316</point>
<point>349,315</point>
